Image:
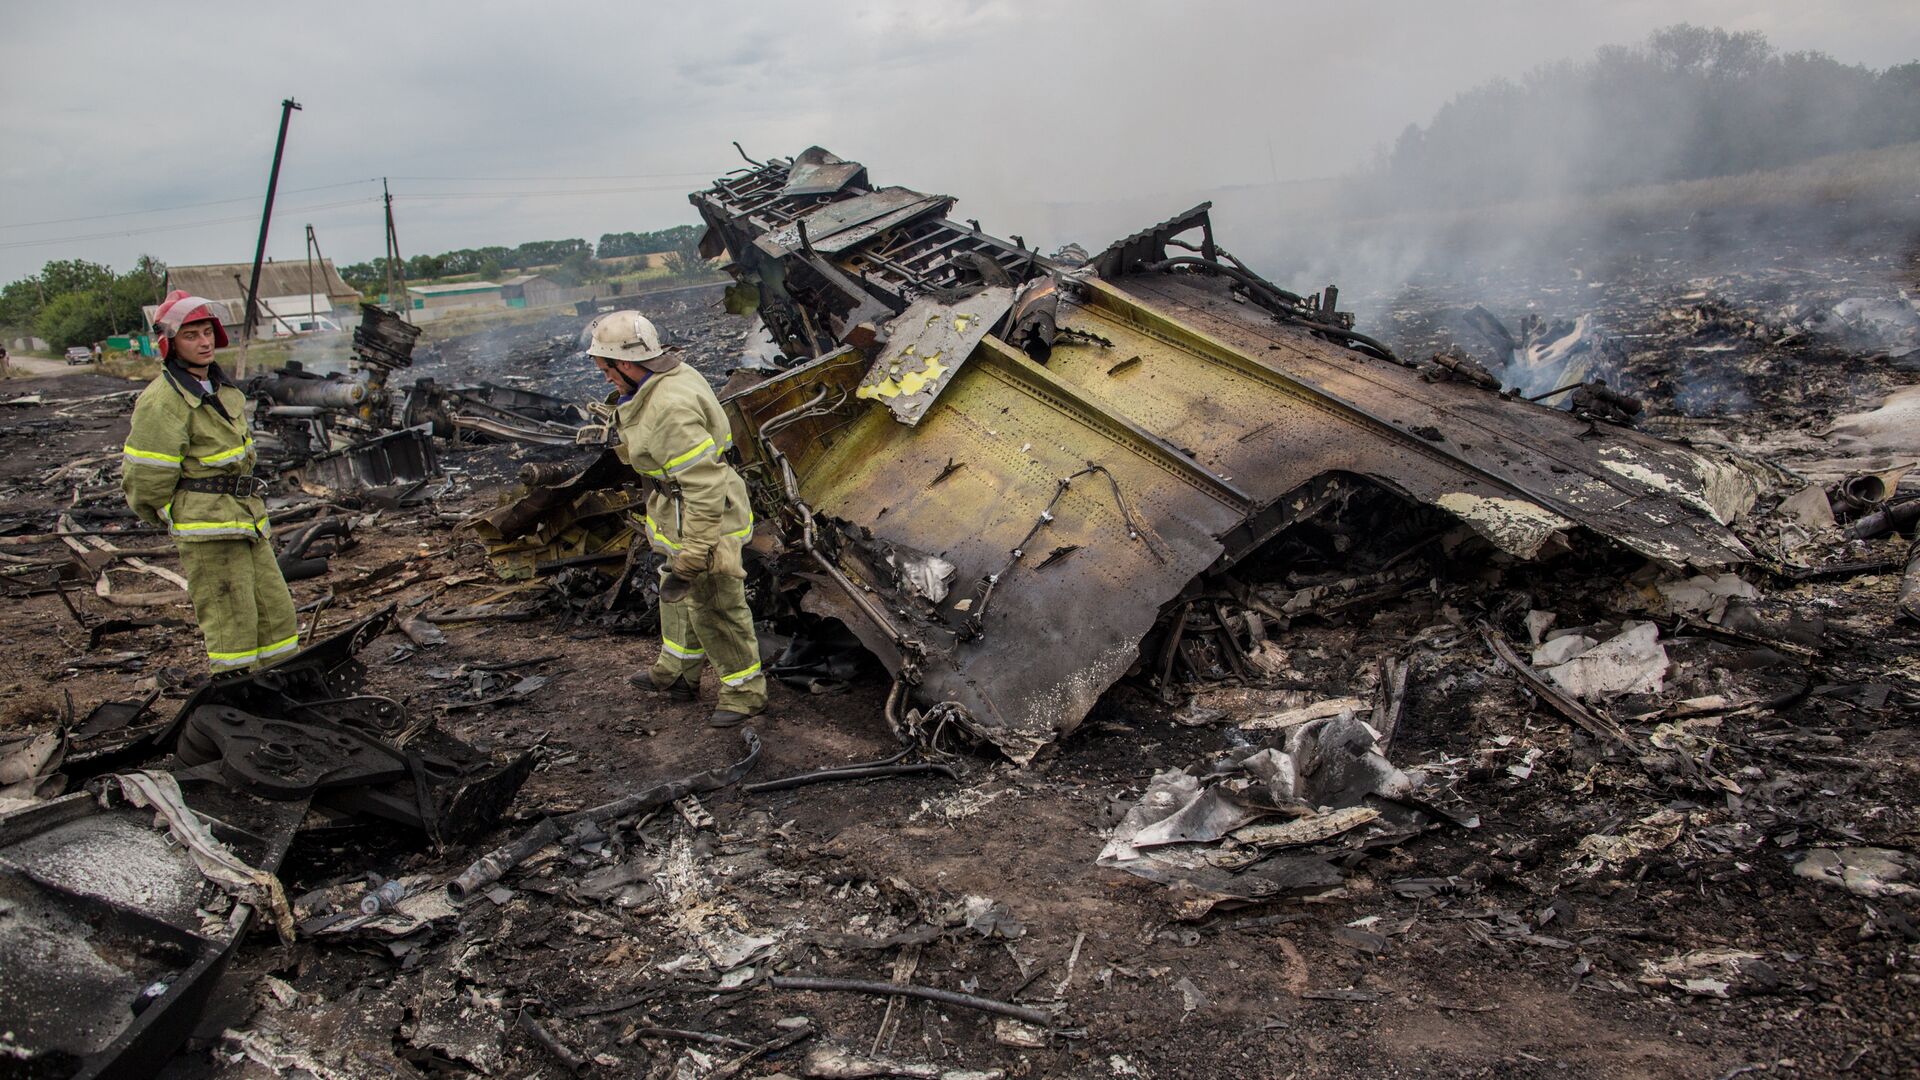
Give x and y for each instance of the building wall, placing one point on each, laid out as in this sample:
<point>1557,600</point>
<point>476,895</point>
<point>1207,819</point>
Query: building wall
<point>483,298</point>
<point>543,293</point>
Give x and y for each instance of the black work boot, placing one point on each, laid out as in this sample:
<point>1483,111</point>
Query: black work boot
<point>679,689</point>
<point>725,718</point>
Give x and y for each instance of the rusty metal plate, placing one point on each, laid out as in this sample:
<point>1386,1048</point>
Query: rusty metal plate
<point>850,222</point>
<point>1268,407</point>
<point>818,172</point>
<point>968,484</point>
<point>929,343</point>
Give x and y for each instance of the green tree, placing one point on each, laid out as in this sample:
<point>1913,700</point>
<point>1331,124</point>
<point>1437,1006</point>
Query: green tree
<point>20,303</point>
<point>577,268</point>
<point>154,273</point>
<point>72,276</point>
<point>685,261</point>
<point>74,318</point>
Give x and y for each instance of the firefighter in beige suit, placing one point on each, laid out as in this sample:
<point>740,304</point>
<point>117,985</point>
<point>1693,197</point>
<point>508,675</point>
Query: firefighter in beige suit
<point>673,433</point>
<point>188,466</point>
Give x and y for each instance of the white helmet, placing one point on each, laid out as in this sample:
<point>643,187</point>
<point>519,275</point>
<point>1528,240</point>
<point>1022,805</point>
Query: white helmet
<point>630,336</point>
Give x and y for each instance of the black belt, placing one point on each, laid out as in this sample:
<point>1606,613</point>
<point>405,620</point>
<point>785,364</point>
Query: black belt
<point>240,487</point>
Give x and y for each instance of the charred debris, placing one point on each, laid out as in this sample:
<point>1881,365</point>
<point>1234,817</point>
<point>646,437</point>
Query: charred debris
<point>1019,479</point>
<point>353,433</point>
<point>1036,491</point>
<point>124,903</point>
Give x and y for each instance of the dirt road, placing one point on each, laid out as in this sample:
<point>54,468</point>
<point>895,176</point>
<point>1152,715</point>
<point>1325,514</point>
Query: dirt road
<point>28,366</point>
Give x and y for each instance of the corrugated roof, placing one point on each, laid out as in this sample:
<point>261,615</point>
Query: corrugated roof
<point>227,282</point>
<point>457,287</point>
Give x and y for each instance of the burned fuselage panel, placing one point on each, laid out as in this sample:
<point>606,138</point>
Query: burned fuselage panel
<point>1186,411</point>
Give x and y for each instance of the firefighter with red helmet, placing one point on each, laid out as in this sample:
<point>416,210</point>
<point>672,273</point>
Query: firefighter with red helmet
<point>188,467</point>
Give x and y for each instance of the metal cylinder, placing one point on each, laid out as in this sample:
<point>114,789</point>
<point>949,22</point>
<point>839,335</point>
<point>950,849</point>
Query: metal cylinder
<point>1859,494</point>
<point>1899,516</point>
<point>322,393</point>
<point>536,474</point>
<point>383,898</point>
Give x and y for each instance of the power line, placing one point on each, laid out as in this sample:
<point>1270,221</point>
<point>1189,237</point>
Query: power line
<point>12,244</point>
<point>516,179</point>
<point>183,206</point>
<point>550,193</point>
<point>420,197</point>
<point>351,183</point>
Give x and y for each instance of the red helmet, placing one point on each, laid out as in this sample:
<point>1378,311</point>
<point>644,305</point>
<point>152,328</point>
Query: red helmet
<point>179,309</point>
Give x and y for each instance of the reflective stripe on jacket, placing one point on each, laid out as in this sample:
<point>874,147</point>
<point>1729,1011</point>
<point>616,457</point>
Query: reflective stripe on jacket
<point>674,432</point>
<point>178,432</point>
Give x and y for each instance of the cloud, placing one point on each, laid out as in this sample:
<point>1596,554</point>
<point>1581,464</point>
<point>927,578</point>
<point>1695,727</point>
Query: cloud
<point>119,106</point>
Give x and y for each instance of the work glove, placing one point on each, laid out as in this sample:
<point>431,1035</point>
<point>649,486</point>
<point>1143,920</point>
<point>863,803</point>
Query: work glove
<point>726,558</point>
<point>693,558</point>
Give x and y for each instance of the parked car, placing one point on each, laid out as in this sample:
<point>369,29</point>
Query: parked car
<point>79,354</point>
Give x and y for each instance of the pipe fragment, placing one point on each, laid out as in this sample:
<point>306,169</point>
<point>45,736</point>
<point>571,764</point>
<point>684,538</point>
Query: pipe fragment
<point>494,865</point>
<point>1898,516</point>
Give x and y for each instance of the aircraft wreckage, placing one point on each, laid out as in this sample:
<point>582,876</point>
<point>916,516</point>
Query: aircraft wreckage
<point>1005,471</point>
<point>120,905</point>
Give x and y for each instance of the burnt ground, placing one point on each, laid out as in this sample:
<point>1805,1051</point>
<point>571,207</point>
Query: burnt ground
<point>1530,945</point>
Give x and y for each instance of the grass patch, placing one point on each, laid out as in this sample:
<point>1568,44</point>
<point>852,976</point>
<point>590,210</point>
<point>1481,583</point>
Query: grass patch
<point>449,326</point>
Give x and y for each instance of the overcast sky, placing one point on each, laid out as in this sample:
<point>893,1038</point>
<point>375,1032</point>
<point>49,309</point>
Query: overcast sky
<point>505,122</point>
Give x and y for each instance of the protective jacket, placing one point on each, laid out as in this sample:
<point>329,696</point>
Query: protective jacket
<point>674,433</point>
<point>179,429</point>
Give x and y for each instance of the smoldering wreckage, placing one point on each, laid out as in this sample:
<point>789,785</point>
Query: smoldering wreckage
<point>1022,492</point>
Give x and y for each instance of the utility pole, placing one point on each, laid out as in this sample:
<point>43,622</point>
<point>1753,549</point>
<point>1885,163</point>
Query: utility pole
<point>396,270</point>
<point>260,250</point>
<point>313,314</point>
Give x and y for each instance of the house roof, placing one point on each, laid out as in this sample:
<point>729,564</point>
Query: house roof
<point>227,282</point>
<point>448,290</point>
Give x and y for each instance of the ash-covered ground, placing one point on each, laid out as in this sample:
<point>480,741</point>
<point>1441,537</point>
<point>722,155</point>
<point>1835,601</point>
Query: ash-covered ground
<point>1593,912</point>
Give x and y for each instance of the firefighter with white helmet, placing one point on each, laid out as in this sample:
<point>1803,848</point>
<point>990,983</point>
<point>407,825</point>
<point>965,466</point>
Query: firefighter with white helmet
<point>188,467</point>
<point>673,433</point>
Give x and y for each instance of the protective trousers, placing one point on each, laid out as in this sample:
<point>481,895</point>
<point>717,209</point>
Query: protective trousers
<point>713,623</point>
<point>241,601</point>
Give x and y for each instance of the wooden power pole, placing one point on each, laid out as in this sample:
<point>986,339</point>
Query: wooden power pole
<point>287,108</point>
<point>396,270</point>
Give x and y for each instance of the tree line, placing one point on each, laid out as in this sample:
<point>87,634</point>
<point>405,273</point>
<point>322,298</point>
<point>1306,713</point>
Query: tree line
<point>572,260</point>
<point>1691,102</point>
<point>75,302</point>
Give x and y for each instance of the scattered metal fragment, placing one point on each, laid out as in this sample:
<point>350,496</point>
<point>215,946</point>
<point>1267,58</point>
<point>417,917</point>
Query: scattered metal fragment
<point>254,755</point>
<point>1561,702</point>
<point>492,866</point>
<point>1863,871</point>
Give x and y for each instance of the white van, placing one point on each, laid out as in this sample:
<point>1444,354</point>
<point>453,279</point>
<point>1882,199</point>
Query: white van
<point>304,324</point>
